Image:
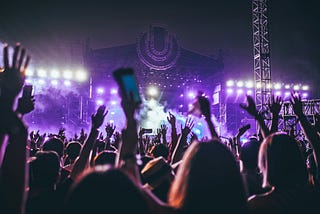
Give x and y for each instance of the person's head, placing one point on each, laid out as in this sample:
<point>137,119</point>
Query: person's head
<point>249,153</point>
<point>158,150</point>
<point>208,179</point>
<point>73,149</point>
<point>44,169</point>
<point>54,144</point>
<point>281,161</point>
<point>105,190</point>
<point>105,157</point>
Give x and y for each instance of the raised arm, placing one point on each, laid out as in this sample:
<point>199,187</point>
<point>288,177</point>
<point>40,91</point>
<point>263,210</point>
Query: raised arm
<point>250,107</point>
<point>82,162</point>
<point>13,167</point>
<point>206,112</point>
<point>275,107</point>
<point>308,129</point>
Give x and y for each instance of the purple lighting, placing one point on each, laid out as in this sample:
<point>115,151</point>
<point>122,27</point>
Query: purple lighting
<point>100,90</point>
<point>191,95</point>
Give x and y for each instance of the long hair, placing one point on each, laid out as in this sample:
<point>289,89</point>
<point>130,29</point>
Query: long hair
<point>281,161</point>
<point>208,180</point>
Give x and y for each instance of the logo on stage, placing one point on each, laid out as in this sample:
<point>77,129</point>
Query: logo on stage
<point>158,49</point>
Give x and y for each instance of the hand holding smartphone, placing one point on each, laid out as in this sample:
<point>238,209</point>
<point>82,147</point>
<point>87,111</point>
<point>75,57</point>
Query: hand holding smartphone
<point>128,85</point>
<point>27,91</point>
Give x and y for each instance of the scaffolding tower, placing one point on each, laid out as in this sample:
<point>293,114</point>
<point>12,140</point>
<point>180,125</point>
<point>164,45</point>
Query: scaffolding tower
<point>261,54</point>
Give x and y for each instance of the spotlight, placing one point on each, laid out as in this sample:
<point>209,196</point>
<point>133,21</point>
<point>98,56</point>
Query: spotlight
<point>229,91</point>
<point>100,90</point>
<point>249,84</point>
<point>191,95</point>
<point>278,93</point>
<point>239,91</point>
<point>67,83</point>
<point>54,82</point>
<point>153,91</point>
<point>113,102</point>
<point>305,87</point>
<point>287,94</point>
<point>42,73</point>
<point>277,86</point>
<point>258,85</point>
<point>67,74</point>
<point>240,84</point>
<point>230,83</point>
<point>41,82</point>
<point>29,72</point>
<point>55,74</point>
<point>296,87</point>
<point>305,95</point>
<point>287,86</point>
<point>249,92</point>
<point>113,91</point>
<point>81,75</point>
<point>99,102</point>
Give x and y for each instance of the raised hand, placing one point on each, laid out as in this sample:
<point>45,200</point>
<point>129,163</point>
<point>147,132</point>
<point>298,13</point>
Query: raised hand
<point>275,104</point>
<point>171,119</point>
<point>12,78</point>
<point>187,127</point>
<point>243,129</point>
<point>204,106</point>
<point>250,107</point>
<point>163,129</point>
<point>98,118</point>
<point>110,129</point>
<point>296,104</point>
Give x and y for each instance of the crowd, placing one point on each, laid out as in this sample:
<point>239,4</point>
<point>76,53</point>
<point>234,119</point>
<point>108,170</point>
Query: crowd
<point>128,172</point>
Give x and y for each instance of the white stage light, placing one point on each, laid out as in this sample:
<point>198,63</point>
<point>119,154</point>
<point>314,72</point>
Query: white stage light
<point>230,83</point>
<point>54,82</point>
<point>100,90</point>
<point>296,87</point>
<point>81,75</point>
<point>29,72</point>
<point>249,92</point>
<point>259,85</point>
<point>99,102</point>
<point>153,91</point>
<point>229,91</point>
<point>113,91</point>
<point>239,91</point>
<point>249,84</point>
<point>305,87</point>
<point>67,83</point>
<point>240,84</point>
<point>277,86</point>
<point>42,73</point>
<point>278,93</point>
<point>67,74</point>
<point>55,74</point>
<point>287,86</point>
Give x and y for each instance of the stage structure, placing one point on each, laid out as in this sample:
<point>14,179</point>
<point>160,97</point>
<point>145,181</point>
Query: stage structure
<point>159,62</point>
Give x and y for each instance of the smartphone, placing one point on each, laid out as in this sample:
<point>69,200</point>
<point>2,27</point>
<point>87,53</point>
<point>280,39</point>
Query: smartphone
<point>127,81</point>
<point>27,91</point>
<point>146,131</point>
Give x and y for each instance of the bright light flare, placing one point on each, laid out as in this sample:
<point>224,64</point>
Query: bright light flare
<point>42,73</point>
<point>153,91</point>
<point>55,74</point>
<point>67,74</point>
<point>230,83</point>
<point>81,75</point>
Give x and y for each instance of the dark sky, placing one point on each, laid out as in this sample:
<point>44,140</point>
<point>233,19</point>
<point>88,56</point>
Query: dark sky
<point>201,26</point>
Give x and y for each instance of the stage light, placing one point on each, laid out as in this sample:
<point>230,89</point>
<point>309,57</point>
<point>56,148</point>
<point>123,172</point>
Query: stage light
<point>287,86</point>
<point>29,72</point>
<point>268,86</point>
<point>277,86</point>
<point>191,94</point>
<point>55,74</point>
<point>240,84</point>
<point>112,113</point>
<point>113,102</point>
<point>81,75</point>
<point>54,82</point>
<point>181,95</point>
<point>305,87</point>
<point>100,90</point>
<point>249,84</point>
<point>249,92</point>
<point>305,95</point>
<point>296,87</point>
<point>230,83</point>
<point>99,102</point>
<point>67,74</point>
<point>41,82</point>
<point>258,85</point>
<point>277,93</point>
<point>67,83</point>
<point>153,91</point>
<point>180,106</point>
<point>229,91</point>
<point>287,94</point>
<point>239,91</point>
<point>42,73</point>
<point>113,91</point>
<point>29,81</point>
